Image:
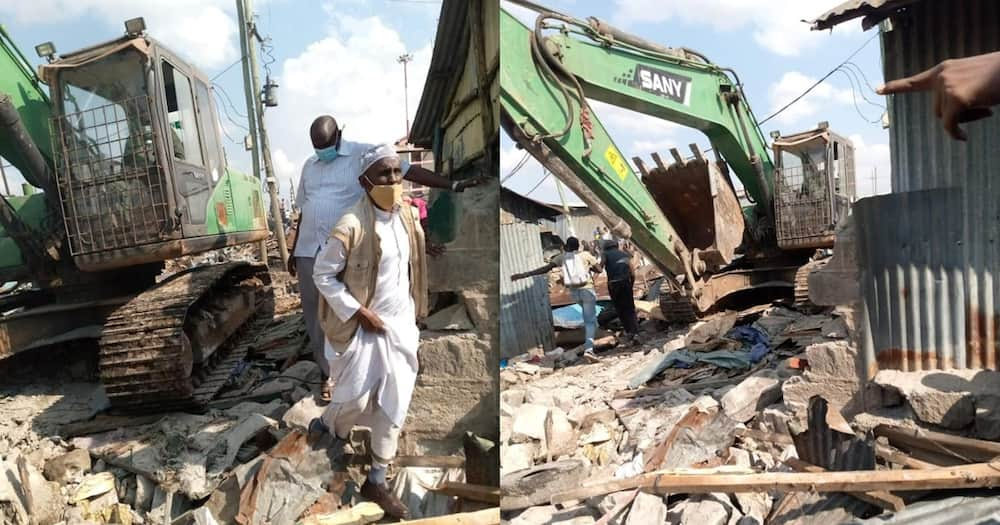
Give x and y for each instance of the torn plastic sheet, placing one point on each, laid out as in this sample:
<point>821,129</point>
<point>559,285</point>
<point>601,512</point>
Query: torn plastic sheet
<point>571,316</point>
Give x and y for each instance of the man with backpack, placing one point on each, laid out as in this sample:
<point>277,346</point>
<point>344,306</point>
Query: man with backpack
<point>578,267</point>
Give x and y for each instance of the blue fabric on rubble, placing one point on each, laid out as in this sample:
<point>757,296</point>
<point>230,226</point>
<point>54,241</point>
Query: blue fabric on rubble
<point>754,340</point>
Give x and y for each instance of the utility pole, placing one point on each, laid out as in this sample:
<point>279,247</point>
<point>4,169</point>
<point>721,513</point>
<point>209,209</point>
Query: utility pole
<point>250,31</point>
<point>251,144</point>
<point>404,59</point>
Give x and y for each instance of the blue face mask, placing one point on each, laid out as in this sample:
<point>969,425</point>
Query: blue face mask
<point>326,154</point>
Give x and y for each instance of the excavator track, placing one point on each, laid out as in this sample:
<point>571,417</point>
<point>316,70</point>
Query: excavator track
<point>677,308</point>
<point>147,358</point>
<point>802,284</point>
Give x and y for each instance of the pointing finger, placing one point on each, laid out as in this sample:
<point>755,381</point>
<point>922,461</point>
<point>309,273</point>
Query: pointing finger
<point>919,82</point>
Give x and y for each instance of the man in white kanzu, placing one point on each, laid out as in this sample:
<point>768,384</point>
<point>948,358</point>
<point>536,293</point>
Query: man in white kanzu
<point>372,275</point>
<point>327,188</point>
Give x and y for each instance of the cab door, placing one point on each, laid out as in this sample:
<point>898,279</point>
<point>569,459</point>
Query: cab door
<point>185,144</point>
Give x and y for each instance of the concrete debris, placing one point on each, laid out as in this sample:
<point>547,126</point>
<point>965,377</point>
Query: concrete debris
<point>67,467</point>
<point>647,508</point>
<point>753,394</point>
<point>453,317</point>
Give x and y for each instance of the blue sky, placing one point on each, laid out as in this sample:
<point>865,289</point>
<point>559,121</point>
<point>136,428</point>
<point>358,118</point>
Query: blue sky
<point>339,57</point>
<point>776,56</point>
<point>336,57</point>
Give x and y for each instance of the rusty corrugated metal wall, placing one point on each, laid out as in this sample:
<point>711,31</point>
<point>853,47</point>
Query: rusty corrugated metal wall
<point>928,259</point>
<point>525,313</point>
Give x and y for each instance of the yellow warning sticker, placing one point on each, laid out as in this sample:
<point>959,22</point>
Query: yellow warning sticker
<point>617,162</point>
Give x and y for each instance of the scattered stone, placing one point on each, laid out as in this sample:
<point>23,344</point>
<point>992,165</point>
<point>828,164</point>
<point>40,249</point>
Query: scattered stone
<point>714,328</point>
<point>599,433</point>
<point>517,457</point>
<point>529,423</point>
<point>546,514</point>
<point>738,457</point>
<point>453,317</point>
<point>987,417</point>
<point>560,438</point>
<point>512,397</point>
<point>94,485</point>
<point>775,419</point>
<point>539,397</point>
<point>605,504</point>
<point>954,410</point>
<point>703,509</point>
<point>755,506</point>
<point>302,413</point>
<point>797,391</point>
<point>754,393</point>
<point>68,466</point>
<point>834,358</point>
<point>647,508</point>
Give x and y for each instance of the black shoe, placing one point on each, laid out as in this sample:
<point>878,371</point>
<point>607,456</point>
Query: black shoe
<point>390,504</point>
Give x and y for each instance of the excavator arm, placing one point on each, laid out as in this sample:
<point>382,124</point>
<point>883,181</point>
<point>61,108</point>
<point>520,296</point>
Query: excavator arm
<point>545,81</point>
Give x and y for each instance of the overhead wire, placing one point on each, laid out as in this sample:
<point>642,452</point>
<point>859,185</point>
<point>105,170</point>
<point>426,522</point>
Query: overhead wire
<point>520,164</point>
<point>540,181</point>
<point>854,98</point>
<point>228,116</point>
<point>229,100</point>
<point>818,82</point>
<point>861,86</point>
<point>230,66</point>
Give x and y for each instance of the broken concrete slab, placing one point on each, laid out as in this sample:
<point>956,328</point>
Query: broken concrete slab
<point>752,394</point>
<point>452,318</point>
<point>947,398</point>
<point>535,486</point>
<point>560,437</point>
<point>302,412</point>
<point>529,423</point>
<point>796,392</point>
<point>94,485</point>
<point>517,457</point>
<point>549,514</point>
<point>67,467</point>
<point>833,358</point>
<point>647,508</point>
<point>713,328</point>
<point>703,509</point>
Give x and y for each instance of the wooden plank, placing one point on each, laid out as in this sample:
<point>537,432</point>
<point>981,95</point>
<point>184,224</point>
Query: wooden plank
<point>669,482</point>
<point>482,517</point>
<point>895,456</point>
<point>879,498</point>
<point>429,461</point>
<point>470,491</point>
<point>956,446</point>
<point>642,167</point>
<point>104,423</point>
<point>659,161</point>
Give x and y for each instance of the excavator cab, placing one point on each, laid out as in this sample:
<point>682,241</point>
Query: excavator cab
<point>138,159</point>
<point>814,186</point>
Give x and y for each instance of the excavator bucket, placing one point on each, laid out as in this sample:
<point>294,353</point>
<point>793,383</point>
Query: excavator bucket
<point>699,202</point>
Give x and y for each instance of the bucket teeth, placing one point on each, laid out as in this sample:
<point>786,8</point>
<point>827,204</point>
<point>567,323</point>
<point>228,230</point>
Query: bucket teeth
<point>679,160</point>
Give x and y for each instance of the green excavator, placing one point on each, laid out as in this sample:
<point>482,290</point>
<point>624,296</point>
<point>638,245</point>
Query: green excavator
<point>684,215</point>
<point>123,141</point>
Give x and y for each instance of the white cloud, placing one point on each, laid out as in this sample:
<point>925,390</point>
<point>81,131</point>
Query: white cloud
<point>202,31</point>
<point>872,167</point>
<point>353,75</point>
<point>657,134</point>
<point>776,25</point>
<point>793,84</point>
<point>285,171</point>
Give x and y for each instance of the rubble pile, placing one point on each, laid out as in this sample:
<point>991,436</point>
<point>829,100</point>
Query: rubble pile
<point>743,417</point>
<point>247,459</point>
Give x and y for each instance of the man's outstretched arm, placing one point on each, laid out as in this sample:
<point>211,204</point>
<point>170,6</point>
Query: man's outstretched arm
<point>964,89</point>
<point>537,271</point>
<point>426,177</point>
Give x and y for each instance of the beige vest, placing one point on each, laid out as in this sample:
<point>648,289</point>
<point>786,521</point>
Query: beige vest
<point>356,230</point>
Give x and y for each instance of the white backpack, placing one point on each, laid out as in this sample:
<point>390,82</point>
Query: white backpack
<point>573,271</point>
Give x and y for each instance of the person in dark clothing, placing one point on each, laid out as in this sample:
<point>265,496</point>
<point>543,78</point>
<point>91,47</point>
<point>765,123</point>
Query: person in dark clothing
<point>618,265</point>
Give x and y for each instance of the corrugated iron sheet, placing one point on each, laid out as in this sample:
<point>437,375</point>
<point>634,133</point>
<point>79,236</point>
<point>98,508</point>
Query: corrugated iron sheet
<point>450,49</point>
<point>957,510</point>
<point>525,313</point>
<point>929,252</point>
<point>852,9</point>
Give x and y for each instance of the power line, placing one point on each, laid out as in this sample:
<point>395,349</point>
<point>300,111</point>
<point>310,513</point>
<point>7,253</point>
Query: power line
<point>229,100</point>
<point>861,87</point>
<point>539,183</point>
<point>818,82</point>
<point>230,66</point>
<point>854,98</point>
<point>227,115</point>
<point>520,164</point>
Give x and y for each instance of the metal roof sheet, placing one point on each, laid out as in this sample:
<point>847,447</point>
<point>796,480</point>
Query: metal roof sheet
<point>874,11</point>
<point>450,49</point>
